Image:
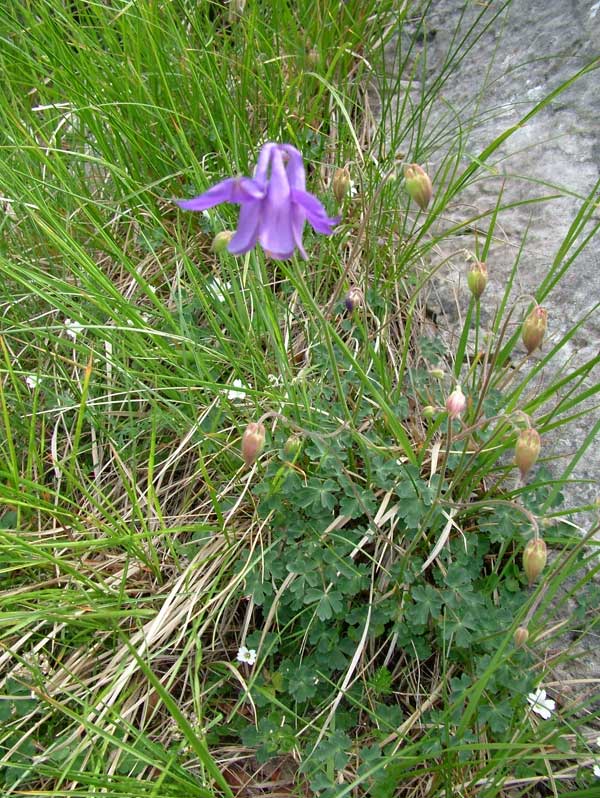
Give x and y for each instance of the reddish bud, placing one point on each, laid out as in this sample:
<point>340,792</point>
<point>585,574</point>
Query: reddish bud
<point>534,328</point>
<point>253,441</point>
<point>456,403</point>
<point>521,636</point>
<point>418,185</point>
<point>527,450</point>
<point>477,278</point>
<point>535,555</point>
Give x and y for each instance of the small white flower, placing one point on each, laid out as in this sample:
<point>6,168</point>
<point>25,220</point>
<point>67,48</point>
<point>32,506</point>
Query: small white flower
<point>217,288</point>
<point>540,704</point>
<point>598,741</point>
<point>237,395</point>
<point>73,328</point>
<point>32,381</point>
<point>247,655</point>
<point>596,771</point>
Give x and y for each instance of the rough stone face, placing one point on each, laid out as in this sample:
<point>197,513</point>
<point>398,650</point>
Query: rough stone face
<point>528,51</point>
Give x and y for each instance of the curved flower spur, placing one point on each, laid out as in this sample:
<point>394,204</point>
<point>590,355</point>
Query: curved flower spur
<point>274,204</point>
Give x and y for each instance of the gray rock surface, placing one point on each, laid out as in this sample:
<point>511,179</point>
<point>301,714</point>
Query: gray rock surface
<point>528,51</point>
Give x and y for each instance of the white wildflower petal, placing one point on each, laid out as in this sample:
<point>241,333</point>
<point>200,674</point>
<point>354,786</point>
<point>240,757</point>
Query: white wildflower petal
<point>246,655</point>
<point>237,395</point>
<point>32,381</point>
<point>73,328</point>
<point>540,704</point>
<point>596,771</point>
<point>598,741</point>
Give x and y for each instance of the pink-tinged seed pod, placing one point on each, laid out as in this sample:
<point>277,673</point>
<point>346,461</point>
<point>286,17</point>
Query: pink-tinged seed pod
<point>341,183</point>
<point>456,403</point>
<point>527,450</point>
<point>521,636</point>
<point>534,329</point>
<point>418,185</point>
<point>535,556</point>
<point>477,278</point>
<point>253,442</point>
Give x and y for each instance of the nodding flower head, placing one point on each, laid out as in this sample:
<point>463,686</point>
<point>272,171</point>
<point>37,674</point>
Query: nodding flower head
<point>456,403</point>
<point>418,184</point>
<point>527,450</point>
<point>274,204</point>
<point>534,329</point>
<point>477,278</point>
<point>535,555</point>
<point>253,442</point>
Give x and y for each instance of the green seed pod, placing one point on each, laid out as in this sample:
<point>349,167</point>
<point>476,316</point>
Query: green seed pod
<point>221,240</point>
<point>527,450</point>
<point>418,185</point>
<point>534,329</point>
<point>477,278</point>
<point>292,446</point>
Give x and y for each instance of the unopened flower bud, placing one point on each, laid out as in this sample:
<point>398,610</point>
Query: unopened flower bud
<point>220,241</point>
<point>521,636</point>
<point>292,446</point>
<point>527,450</point>
<point>418,185</point>
<point>253,441</point>
<point>534,328</point>
<point>429,411</point>
<point>456,403</point>
<point>341,183</point>
<point>353,299</point>
<point>439,374</point>
<point>477,278</point>
<point>535,555</point>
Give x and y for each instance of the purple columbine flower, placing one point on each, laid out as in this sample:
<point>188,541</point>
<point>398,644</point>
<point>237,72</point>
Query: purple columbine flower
<point>274,204</point>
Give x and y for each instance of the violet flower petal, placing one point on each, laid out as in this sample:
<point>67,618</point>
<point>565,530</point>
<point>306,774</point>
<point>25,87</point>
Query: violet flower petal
<point>234,189</point>
<point>315,211</point>
<point>262,165</point>
<point>276,235</point>
<point>246,235</point>
<point>298,219</point>
<point>295,167</point>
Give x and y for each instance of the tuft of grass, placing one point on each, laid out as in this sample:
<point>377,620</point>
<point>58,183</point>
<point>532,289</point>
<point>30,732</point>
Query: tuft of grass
<point>371,558</point>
